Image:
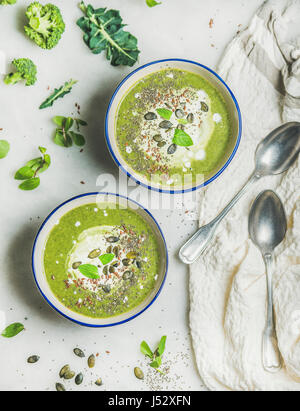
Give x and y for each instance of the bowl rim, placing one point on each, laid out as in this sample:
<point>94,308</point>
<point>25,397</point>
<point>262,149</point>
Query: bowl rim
<point>160,190</point>
<point>73,319</point>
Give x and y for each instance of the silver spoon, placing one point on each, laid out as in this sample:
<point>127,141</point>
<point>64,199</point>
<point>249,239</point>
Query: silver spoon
<point>274,155</point>
<point>267,228</point>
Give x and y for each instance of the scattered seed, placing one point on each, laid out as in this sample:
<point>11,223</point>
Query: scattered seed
<point>69,375</point>
<point>190,118</point>
<point>112,269</point>
<point>64,370</point>
<point>180,127</point>
<point>107,289</point>
<point>138,373</point>
<point>127,275</point>
<point>60,387</point>
<point>79,379</point>
<point>109,249</point>
<point>150,116</point>
<point>126,262</point>
<point>172,149</point>
<point>99,382</point>
<point>158,138</point>
<point>76,265</point>
<point>131,255</point>
<point>113,239</point>
<point>33,359</point>
<point>204,107</point>
<point>166,124</point>
<point>179,113</point>
<point>79,352</point>
<point>139,264</point>
<point>91,361</point>
<point>116,251</point>
<point>161,144</point>
<point>94,254</point>
<point>105,270</point>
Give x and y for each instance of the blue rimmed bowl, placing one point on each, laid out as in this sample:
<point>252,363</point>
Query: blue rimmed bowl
<point>39,248</point>
<point>186,65</point>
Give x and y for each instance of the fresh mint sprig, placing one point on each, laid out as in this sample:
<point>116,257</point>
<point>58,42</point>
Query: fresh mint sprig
<point>156,356</point>
<point>64,136</point>
<point>152,3</point>
<point>29,173</point>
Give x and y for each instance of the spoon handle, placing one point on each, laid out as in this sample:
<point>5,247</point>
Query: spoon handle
<point>270,352</point>
<point>192,250</point>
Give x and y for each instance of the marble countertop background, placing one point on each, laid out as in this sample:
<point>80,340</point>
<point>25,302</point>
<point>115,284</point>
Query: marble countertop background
<point>177,28</point>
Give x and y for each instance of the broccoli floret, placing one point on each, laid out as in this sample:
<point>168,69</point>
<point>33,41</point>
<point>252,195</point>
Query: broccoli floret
<point>7,2</point>
<point>26,70</point>
<point>45,26</point>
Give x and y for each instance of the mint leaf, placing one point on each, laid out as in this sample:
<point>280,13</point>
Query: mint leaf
<point>43,150</point>
<point>59,120</point>
<point>68,123</point>
<point>78,139</point>
<point>30,184</point>
<point>106,258</point>
<point>4,148</point>
<point>24,173</point>
<point>156,363</point>
<point>13,330</point>
<point>145,349</point>
<point>89,271</point>
<point>80,122</point>
<point>181,138</point>
<point>152,3</point>
<point>162,346</point>
<point>164,113</point>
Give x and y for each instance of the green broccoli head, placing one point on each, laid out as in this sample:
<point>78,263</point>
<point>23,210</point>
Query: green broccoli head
<point>7,2</point>
<point>25,70</point>
<point>45,26</point>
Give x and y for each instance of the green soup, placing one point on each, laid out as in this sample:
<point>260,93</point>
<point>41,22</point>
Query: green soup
<point>101,261</point>
<point>173,127</point>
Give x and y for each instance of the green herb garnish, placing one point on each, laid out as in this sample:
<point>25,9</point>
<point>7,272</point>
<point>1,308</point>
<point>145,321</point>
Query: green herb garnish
<point>156,356</point>
<point>64,136</point>
<point>90,271</point>
<point>152,3</point>
<point>106,258</point>
<point>29,173</point>
<point>13,330</point>
<point>7,2</point>
<point>104,32</point>
<point>58,93</point>
<point>182,121</point>
<point>164,113</point>
<point>4,148</point>
<point>181,138</point>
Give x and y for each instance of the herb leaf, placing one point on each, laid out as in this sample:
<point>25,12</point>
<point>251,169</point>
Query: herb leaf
<point>162,346</point>
<point>12,330</point>
<point>156,363</point>
<point>146,350</point>
<point>181,138</point>
<point>30,184</point>
<point>89,271</point>
<point>58,93</point>
<point>104,32</point>
<point>164,113</point>
<point>152,3</point>
<point>106,258</point>
<point>78,139</point>
<point>64,137</point>
<point>4,148</point>
<point>24,173</point>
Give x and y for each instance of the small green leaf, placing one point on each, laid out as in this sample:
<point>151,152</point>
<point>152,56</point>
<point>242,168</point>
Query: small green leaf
<point>68,123</point>
<point>30,184</point>
<point>4,148</point>
<point>13,330</point>
<point>81,122</point>
<point>47,163</point>
<point>62,139</point>
<point>146,350</point>
<point>42,150</point>
<point>106,258</point>
<point>89,271</point>
<point>59,120</point>
<point>164,113</point>
<point>162,346</point>
<point>182,121</point>
<point>156,363</point>
<point>152,3</point>
<point>24,173</point>
<point>78,139</point>
<point>181,138</point>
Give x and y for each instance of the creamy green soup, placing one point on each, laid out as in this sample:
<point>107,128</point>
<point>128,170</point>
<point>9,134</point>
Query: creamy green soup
<point>173,127</point>
<point>100,261</point>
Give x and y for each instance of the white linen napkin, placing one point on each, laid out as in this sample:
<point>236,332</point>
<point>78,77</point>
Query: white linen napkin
<point>228,284</point>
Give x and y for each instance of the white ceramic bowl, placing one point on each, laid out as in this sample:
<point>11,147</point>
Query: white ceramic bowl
<point>137,75</point>
<point>38,257</point>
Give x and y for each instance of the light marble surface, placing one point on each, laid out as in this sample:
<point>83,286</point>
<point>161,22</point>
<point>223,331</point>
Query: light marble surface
<point>175,29</point>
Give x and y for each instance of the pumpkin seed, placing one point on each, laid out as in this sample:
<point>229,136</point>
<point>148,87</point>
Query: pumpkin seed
<point>64,370</point>
<point>113,239</point>
<point>116,251</point>
<point>158,138</point>
<point>116,264</point>
<point>76,265</point>
<point>190,118</point>
<point>33,359</point>
<point>105,270</point>
<point>79,352</point>
<point>112,269</point>
<point>69,375</point>
<point>172,149</point>
<point>94,254</point>
<point>99,382</point>
<point>204,107</point>
<point>139,264</point>
<point>107,289</point>
<point>91,361</point>
<point>109,249</point>
<point>79,379</point>
<point>60,387</point>
<point>127,275</point>
<point>138,373</point>
<point>166,124</point>
<point>150,116</point>
<point>126,262</point>
<point>179,113</point>
<point>131,255</point>
<point>161,144</point>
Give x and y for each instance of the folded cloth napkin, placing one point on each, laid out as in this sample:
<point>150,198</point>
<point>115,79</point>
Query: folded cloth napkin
<point>228,283</point>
